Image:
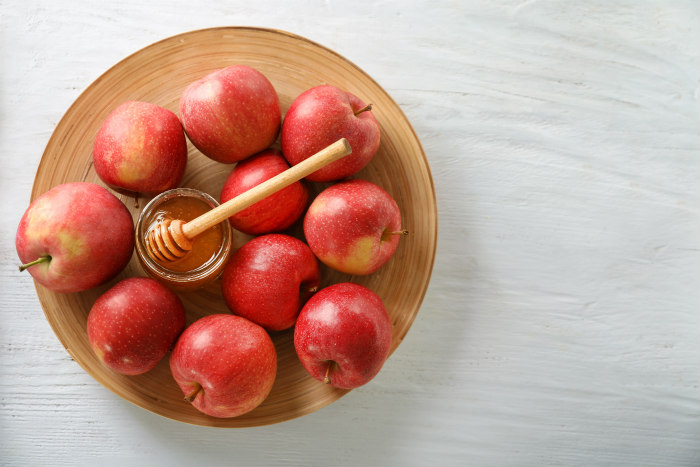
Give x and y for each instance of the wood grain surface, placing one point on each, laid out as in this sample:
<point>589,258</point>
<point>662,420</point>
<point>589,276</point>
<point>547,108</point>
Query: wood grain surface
<point>561,326</point>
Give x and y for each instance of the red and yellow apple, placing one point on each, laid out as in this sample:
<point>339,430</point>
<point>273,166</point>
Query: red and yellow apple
<point>134,324</point>
<point>274,213</point>
<point>343,335</point>
<point>353,226</point>
<point>224,364</point>
<point>231,113</point>
<point>269,279</point>
<point>74,237</point>
<point>319,117</point>
<point>140,148</point>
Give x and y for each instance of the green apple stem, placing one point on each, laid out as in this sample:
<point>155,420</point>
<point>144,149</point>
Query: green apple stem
<point>327,377</point>
<point>363,109</point>
<point>40,259</point>
<point>192,395</point>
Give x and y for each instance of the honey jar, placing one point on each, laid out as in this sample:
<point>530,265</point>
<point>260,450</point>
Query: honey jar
<point>210,249</point>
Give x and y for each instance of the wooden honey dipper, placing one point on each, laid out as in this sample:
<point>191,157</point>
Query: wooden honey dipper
<point>170,240</point>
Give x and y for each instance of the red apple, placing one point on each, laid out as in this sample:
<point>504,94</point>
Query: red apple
<point>140,148</point>
<point>74,237</point>
<point>224,364</point>
<point>231,114</point>
<point>274,213</point>
<point>319,117</point>
<point>133,325</point>
<point>268,280</point>
<point>343,335</point>
<point>353,226</point>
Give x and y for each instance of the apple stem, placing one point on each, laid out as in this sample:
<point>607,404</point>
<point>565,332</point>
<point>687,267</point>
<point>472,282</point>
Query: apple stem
<point>363,109</point>
<point>40,259</point>
<point>136,201</point>
<point>191,396</point>
<point>327,377</point>
<point>399,232</point>
<point>313,289</point>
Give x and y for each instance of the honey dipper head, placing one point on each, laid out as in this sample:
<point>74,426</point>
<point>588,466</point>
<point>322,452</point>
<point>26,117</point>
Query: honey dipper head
<point>167,242</point>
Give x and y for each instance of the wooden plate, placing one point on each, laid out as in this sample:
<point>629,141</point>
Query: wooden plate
<point>158,74</point>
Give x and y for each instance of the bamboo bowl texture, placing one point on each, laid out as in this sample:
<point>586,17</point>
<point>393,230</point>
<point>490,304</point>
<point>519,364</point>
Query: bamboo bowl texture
<point>158,74</point>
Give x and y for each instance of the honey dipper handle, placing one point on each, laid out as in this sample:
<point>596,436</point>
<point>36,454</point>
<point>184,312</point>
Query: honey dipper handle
<point>335,151</point>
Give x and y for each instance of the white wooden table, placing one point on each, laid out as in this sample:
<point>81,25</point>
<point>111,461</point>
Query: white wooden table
<point>562,324</point>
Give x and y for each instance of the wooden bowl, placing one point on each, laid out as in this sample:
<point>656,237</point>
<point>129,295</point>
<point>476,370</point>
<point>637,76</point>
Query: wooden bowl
<point>158,74</point>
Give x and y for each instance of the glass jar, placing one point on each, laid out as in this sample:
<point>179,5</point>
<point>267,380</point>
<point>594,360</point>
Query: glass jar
<point>210,249</point>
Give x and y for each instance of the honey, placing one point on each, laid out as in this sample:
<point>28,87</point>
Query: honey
<point>205,261</point>
<point>205,246</point>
